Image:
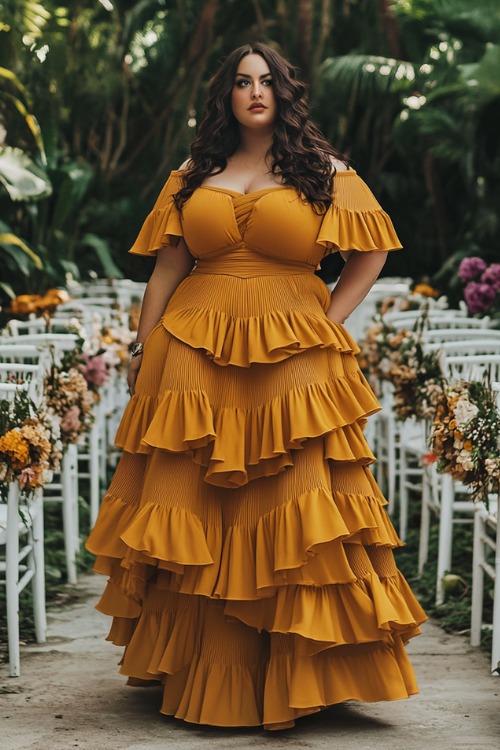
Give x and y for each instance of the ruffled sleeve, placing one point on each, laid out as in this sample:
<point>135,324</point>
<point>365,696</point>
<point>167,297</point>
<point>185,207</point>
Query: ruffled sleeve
<point>356,221</point>
<point>163,226</point>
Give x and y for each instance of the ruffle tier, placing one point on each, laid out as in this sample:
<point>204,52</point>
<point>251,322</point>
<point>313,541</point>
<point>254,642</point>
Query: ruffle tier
<point>300,543</point>
<point>162,227</point>
<point>267,678</point>
<point>309,606</point>
<point>267,338</point>
<point>342,229</point>
<point>182,421</point>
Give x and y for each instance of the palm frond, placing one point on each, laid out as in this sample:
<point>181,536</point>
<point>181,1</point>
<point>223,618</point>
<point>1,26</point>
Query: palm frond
<point>364,77</point>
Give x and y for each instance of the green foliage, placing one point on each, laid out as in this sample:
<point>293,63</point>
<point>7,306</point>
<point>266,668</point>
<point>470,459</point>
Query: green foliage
<point>21,177</point>
<point>105,101</point>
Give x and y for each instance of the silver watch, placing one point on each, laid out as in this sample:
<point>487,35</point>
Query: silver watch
<point>136,349</point>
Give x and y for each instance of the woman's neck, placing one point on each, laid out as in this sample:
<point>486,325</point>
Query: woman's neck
<point>255,144</point>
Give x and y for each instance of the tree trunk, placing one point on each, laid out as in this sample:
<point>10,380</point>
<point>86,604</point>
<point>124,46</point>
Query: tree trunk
<point>394,42</point>
<point>438,204</point>
<point>305,14</point>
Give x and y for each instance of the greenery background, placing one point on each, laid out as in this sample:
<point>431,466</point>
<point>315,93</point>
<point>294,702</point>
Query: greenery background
<point>99,100</point>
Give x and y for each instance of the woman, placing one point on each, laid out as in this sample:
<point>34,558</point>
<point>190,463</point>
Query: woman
<point>248,552</point>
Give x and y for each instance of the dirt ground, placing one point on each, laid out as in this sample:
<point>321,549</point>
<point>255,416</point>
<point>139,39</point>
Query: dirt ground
<point>69,695</point>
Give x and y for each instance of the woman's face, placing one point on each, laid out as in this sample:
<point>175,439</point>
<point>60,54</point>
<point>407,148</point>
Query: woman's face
<point>252,99</point>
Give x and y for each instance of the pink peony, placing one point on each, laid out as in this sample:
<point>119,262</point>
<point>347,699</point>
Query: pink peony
<point>471,268</point>
<point>26,477</point>
<point>491,276</point>
<point>479,297</point>
<point>95,370</point>
<point>71,420</point>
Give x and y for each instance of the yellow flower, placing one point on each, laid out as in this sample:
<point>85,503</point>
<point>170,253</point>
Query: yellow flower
<point>16,448</point>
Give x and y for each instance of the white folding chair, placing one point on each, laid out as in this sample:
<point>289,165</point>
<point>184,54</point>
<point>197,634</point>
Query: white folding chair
<point>361,318</point>
<point>440,335</point>
<point>451,510</point>
<point>21,535</point>
<point>486,560</point>
<point>434,319</point>
<point>64,487</point>
<point>21,377</point>
<point>476,345</point>
<point>440,495</point>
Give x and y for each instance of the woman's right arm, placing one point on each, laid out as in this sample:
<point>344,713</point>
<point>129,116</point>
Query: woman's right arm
<point>173,264</point>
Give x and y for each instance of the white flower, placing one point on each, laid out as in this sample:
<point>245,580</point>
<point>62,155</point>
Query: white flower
<point>47,476</point>
<point>385,365</point>
<point>464,411</point>
<point>464,459</point>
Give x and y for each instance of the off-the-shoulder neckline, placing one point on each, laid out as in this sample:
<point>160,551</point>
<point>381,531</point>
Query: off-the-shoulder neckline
<point>262,190</point>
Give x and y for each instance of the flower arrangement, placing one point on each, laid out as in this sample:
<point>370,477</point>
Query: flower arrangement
<point>465,437</point>
<point>397,356</point>
<point>96,368</point>
<point>421,297</point>
<point>69,399</point>
<point>482,285</point>
<point>115,342</point>
<point>30,444</point>
<point>25,304</point>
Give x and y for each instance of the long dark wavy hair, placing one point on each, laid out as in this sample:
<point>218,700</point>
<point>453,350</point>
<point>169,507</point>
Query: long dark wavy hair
<point>301,154</point>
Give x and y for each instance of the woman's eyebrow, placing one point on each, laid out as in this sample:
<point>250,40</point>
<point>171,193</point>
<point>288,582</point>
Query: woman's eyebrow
<point>245,75</point>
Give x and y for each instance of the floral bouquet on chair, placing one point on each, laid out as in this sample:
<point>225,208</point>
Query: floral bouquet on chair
<point>465,437</point>
<point>69,398</point>
<point>30,444</point>
<point>397,356</point>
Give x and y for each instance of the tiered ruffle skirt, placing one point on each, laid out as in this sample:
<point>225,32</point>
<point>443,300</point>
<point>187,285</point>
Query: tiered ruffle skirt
<point>249,554</point>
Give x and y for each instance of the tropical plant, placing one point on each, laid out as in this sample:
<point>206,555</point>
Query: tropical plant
<point>424,125</point>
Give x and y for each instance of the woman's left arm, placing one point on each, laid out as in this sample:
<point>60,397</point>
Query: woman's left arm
<point>360,272</point>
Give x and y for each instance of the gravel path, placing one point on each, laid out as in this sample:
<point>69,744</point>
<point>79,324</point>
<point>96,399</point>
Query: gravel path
<point>69,695</point>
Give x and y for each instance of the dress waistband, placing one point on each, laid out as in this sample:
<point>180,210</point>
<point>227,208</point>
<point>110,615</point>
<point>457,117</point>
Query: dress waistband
<point>246,263</point>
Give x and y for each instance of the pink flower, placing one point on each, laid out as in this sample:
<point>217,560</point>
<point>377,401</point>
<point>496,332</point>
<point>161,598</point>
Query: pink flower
<point>95,370</point>
<point>471,268</point>
<point>479,297</point>
<point>71,420</point>
<point>492,276</point>
<point>26,476</point>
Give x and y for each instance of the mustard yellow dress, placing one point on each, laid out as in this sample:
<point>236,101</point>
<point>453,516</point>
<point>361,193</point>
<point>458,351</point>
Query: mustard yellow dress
<point>246,542</point>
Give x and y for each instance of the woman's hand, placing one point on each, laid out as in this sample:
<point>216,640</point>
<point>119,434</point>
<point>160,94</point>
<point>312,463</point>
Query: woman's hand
<point>133,371</point>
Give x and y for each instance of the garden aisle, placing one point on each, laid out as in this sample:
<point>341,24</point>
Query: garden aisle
<point>70,696</point>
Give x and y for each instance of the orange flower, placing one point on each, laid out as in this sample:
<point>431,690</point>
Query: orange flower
<point>468,445</point>
<point>426,290</point>
<point>25,303</point>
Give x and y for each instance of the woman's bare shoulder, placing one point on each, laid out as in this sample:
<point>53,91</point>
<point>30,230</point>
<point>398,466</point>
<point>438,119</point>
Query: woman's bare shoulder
<point>340,166</point>
<point>184,165</point>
